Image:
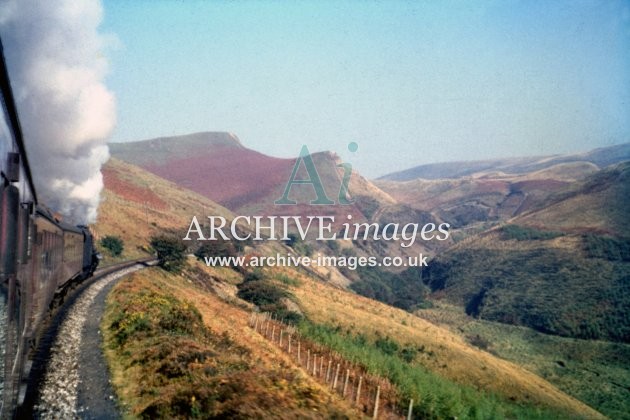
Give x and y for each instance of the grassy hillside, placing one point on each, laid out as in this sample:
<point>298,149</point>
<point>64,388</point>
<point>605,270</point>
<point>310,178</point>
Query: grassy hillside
<point>218,167</point>
<point>475,196</point>
<point>596,372</point>
<point>141,308</point>
<point>178,352</point>
<point>563,269</point>
<point>164,149</point>
<point>551,287</point>
<point>599,204</point>
<point>137,205</point>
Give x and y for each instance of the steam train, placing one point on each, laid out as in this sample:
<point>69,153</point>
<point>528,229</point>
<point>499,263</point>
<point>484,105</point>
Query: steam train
<point>39,255</point>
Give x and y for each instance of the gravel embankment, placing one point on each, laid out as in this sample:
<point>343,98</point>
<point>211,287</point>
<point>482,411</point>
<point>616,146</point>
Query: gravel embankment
<point>3,329</point>
<point>65,371</point>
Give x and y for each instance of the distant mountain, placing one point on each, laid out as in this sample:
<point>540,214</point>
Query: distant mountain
<point>218,166</point>
<point>476,194</point>
<point>600,157</point>
<point>215,165</point>
<point>561,268</point>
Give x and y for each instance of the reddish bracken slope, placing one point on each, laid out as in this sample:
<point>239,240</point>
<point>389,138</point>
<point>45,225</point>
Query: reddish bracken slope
<point>230,176</point>
<point>215,165</point>
<point>127,190</point>
<point>219,167</point>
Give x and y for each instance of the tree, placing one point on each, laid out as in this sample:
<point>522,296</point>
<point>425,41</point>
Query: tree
<point>300,246</point>
<point>113,244</point>
<point>170,252</point>
<point>219,248</point>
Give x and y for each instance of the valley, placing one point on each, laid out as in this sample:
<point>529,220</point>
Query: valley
<point>525,302</point>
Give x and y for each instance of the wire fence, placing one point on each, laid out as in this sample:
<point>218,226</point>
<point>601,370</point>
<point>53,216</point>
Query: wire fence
<point>370,394</point>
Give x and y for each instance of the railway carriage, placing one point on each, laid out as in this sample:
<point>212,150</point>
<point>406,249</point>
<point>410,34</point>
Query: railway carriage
<point>39,255</point>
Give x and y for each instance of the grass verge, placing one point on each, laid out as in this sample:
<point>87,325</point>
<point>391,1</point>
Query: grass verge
<point>167,363</point>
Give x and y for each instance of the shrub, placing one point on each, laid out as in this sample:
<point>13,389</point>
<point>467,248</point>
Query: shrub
<point>408,353</point>
<point>170,252</point>
<point>300,246</point>
<point>268,296</point>
<point>526,233</point>
<point>219,248</point>
<point>261,293</point>
<point>606,247</point>
<point>289,281</point>
<point>113,244</point>
<point>479,342</point>
<point>386,345</point>
<point>255,275</point>
<point>334,246</point>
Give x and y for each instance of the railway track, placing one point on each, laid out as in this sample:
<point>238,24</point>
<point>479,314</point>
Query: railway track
<point>3,331</point>
<point>59,374</point>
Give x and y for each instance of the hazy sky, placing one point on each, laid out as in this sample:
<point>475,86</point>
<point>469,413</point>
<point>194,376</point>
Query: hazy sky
<point>410,82</point>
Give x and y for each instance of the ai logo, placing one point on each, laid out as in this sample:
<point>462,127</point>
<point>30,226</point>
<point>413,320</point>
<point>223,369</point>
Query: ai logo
<point>315,180</point>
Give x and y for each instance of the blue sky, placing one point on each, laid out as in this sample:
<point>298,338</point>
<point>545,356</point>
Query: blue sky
<point>410,82</point>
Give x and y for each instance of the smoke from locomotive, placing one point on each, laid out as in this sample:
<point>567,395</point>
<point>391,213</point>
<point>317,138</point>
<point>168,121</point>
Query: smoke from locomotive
<point>53,52</point>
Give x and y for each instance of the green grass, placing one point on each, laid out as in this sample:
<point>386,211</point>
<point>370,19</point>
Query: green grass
<point>435,397</point>
<point>403,290</point>
<point>552,290</point>
<point>526,233</point>
<point>287,280</point>
<point>595,372</point>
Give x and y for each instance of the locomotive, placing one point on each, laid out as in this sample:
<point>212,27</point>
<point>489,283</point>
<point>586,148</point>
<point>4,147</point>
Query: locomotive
<point>40,256</point>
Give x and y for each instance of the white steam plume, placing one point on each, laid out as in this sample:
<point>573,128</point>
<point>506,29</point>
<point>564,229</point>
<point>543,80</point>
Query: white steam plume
<point>53,52</point>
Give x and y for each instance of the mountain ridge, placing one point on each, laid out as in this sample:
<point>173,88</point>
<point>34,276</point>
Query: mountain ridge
<point>601,157</point>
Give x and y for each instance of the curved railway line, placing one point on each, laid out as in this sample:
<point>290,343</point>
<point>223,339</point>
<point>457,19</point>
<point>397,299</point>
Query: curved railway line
<point>50,382</point>
<point>3,323</point>
<point>60,368</point>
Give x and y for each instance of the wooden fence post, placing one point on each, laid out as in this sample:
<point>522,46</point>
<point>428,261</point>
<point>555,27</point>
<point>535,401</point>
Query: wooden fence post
<point>314,365</point>
<point>308,359</point>
<point>336,376</point>
<point>328,370</point>
<point>356,401</point>
<point>378,393</point>
<point>410,412</point>
<point>289,350</point>
<point>299,358</point>
<point>273,332</point>
<point>345,384</point>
